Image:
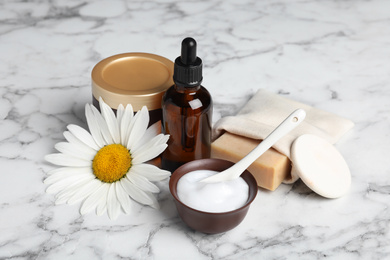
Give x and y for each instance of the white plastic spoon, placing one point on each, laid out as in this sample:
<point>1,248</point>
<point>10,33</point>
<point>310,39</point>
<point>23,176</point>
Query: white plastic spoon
<point>294,119</point>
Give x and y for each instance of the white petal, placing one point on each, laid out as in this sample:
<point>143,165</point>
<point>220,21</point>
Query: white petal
<point>67,183</point>
<point>83,136</point>
<point>74,140</point>
<point>85,191</point>
<point>92,201</point>
<point>119,114</point>
<point>65,172</point>
<point>78,145</point>
<point>151,172</point>
<point>61,200</point>
<point>157,140</point>
<point>100,209</point>
<point>150,133</point>
<point>110,118</point>
<point>155,203</point>
<point>93,126</point>
<point>113,206</point>
<point>136,193</point>
<point>125,124</point>
<point>61,169</point>
<point>102,205</point>
<point>75,151</point>
<point>150,154</point>
<point>102,126</point>
<point>154,129</point>
<point>131,125</point>
<point>142,183</point>
<point>139,127</point>
<point>67,160</point>
<point>64,195</point>
<point>123,198</point>
<point>73,187</point>
<point>53,171</point>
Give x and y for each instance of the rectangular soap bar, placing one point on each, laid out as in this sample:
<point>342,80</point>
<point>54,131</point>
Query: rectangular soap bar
<point>269,170</point>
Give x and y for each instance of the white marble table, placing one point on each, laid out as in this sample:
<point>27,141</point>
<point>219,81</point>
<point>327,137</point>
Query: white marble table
<point>333,55</point>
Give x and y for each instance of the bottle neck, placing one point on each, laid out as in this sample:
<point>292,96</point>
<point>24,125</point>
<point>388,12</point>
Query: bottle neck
<point>186,89</point>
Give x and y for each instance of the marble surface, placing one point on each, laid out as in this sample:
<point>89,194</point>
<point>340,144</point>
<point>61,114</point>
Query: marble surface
<point>333,55</point>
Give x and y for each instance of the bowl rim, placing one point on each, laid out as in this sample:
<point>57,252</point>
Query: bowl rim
<point>247,203</point>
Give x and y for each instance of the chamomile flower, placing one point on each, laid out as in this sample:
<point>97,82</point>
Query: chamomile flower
<point>105,168</point>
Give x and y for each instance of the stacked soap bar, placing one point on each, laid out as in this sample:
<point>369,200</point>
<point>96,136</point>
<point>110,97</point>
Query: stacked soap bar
<point>270,169</point>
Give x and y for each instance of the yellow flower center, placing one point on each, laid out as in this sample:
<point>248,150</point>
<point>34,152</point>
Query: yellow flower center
<point>111,163</point>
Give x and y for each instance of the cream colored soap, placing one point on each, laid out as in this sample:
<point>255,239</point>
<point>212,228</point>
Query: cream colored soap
<point>269,170</point>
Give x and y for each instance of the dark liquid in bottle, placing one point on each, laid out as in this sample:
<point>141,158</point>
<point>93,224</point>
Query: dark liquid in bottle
<point>187,118</point>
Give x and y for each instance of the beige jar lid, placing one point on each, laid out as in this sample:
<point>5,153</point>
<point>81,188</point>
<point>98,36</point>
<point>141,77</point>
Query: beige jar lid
<point>139,79</point>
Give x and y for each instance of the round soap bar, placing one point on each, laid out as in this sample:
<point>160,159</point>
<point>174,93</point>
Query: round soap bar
<point>320,166</point>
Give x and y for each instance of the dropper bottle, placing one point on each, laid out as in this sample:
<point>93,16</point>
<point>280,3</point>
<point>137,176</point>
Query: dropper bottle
<point>187,111</point>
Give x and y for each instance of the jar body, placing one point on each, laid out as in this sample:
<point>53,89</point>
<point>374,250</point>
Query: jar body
<point>187,118</point>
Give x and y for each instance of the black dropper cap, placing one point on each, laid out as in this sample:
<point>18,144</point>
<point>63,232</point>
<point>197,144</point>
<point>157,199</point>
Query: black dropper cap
<point>188,67</point>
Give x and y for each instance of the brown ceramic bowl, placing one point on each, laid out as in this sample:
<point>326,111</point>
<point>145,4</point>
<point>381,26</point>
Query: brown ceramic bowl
<point>207,222</point>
